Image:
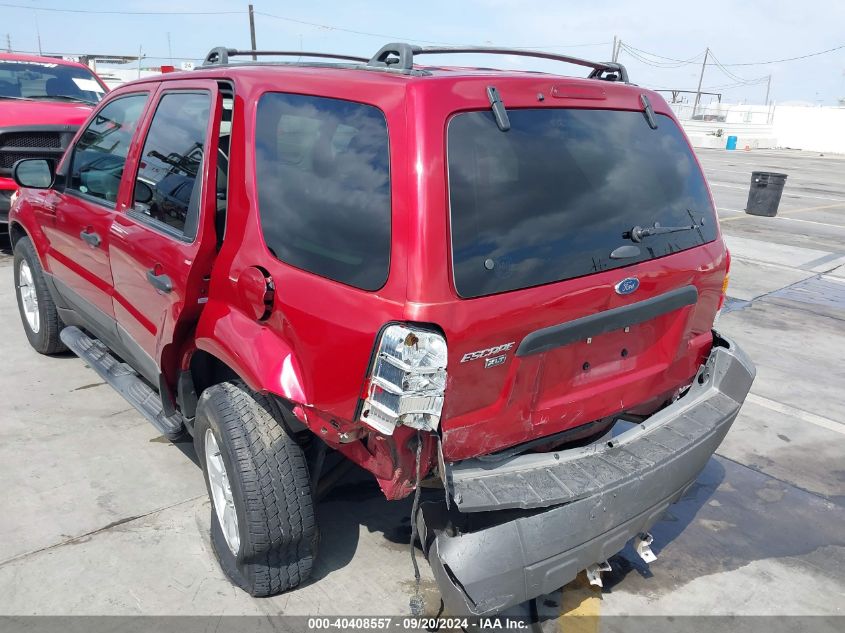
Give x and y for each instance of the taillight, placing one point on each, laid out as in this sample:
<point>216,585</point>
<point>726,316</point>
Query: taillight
<point>407,380</point>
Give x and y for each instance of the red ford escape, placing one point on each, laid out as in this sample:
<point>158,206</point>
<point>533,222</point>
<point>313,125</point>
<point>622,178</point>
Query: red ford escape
<point>501,282</point>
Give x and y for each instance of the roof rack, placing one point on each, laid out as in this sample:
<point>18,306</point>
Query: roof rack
<point>220,55</point>
<point>399,57</point>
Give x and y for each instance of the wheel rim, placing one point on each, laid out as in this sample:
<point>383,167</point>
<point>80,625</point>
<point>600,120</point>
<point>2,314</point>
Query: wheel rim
<point>29,297</point>
<point>221,493</point>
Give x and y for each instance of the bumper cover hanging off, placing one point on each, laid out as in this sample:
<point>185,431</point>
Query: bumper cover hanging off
<point>568,509</point>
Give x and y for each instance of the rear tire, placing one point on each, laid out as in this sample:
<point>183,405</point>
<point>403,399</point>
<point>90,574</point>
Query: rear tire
<point>39,316</point>
<point>270,490</point>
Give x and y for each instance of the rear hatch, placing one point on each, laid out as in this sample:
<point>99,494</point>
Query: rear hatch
<point>573,307</point>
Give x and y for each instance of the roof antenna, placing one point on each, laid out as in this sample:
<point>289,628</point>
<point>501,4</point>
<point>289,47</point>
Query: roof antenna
<point>498,107</point>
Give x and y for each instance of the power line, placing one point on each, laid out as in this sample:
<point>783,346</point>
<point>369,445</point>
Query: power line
<point>736,78</point>
<point>679,62</point>
<point>401,38</point>
<point>628,47</point>
<point>789,59</point>
<point>344,30</point>
<point>665,65</point>
<point>318,25</point>
<point>91,11</point>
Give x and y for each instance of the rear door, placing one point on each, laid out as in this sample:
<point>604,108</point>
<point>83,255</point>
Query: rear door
<point>163,240</point>
<point>77,217</point>
<point>572,313</point>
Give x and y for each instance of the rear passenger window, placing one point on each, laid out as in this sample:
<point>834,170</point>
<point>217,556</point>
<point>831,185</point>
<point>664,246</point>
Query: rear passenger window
<point>324,186</point>
<point>165,188</point>
<point>100,153</point>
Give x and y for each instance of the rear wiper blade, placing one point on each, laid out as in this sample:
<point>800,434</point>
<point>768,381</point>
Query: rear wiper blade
<point>498,107</point>
<point>637,233</point>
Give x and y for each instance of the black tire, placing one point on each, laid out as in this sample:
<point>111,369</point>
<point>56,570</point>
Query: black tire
<point>270,487</point>
<point>46,340</point>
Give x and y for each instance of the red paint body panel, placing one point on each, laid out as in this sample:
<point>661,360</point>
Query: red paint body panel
<point>315,347</point>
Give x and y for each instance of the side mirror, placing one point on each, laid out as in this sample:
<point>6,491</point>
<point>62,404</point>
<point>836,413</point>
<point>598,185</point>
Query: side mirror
<point>143,192</point>
<point>34,173</point>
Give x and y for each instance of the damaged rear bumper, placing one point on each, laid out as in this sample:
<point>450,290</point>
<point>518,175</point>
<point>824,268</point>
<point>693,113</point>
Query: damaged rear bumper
<point>558,513</point>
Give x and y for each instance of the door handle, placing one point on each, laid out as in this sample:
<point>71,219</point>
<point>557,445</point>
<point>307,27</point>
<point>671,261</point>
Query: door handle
<point>159,282</point>
<point>92,239</point>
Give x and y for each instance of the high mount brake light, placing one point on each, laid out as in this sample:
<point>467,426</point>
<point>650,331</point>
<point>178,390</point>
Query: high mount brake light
<point>407,380</point>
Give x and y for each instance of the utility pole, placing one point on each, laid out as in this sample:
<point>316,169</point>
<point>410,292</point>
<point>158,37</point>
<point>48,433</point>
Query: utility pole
<point>169,49</point>
<point>613,54</point>
<point>252,30</point>
<point>139,60</point>
<point>768,88</point>
<point>8,43</point>
<point>700,78</point>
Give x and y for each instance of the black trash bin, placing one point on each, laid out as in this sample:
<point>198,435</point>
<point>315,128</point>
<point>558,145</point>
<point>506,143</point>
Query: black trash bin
<point>765,192</point>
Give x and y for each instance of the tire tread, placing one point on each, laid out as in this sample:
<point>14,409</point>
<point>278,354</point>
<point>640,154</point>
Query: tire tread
<point>273,471</point>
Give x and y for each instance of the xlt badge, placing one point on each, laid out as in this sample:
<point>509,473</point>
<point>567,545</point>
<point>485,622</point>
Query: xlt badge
<point>495,361</point>
<point>486,353</point>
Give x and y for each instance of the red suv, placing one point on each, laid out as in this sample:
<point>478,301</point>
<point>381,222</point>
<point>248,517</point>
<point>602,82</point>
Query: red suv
<point>501,282</point>
<point>43,101</point>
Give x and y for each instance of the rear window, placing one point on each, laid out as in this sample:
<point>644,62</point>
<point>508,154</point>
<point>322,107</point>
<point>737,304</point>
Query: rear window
<point>552,198</point>
<point>324,186</point>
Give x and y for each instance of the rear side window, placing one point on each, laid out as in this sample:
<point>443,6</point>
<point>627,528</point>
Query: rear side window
<point>324,186</point>
<point>553,197</point>
<point>166,189</point>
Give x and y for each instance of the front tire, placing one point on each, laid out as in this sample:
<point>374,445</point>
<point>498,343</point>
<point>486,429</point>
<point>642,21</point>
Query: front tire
<point>263,524</point>
<point>39,316</point>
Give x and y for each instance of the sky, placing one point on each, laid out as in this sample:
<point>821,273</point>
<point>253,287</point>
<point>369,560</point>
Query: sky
<point>664,41</point>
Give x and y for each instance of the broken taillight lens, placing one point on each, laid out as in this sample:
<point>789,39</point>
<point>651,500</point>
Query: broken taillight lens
<point>407,380</point>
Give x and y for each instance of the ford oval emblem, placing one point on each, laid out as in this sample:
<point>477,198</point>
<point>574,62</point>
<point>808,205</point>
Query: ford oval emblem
<point>627,286</point>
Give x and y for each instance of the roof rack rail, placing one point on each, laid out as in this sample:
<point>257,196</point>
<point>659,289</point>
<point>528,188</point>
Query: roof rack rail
<point>400,56</point>
<point>219,56</point>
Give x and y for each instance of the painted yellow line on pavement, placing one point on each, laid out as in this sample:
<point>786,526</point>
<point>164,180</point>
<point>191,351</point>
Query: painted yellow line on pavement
<point>579,607</point>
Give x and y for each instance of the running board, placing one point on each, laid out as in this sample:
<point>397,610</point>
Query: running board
<point>123,379</point>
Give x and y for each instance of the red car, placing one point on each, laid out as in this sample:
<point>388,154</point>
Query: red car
<point>501,282</point>
<point>43,101</point>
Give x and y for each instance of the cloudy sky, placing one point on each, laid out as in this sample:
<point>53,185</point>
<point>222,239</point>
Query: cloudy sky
<point>666,39</point>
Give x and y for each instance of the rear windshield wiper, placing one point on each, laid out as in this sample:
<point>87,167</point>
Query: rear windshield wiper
<point>638,233</point>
